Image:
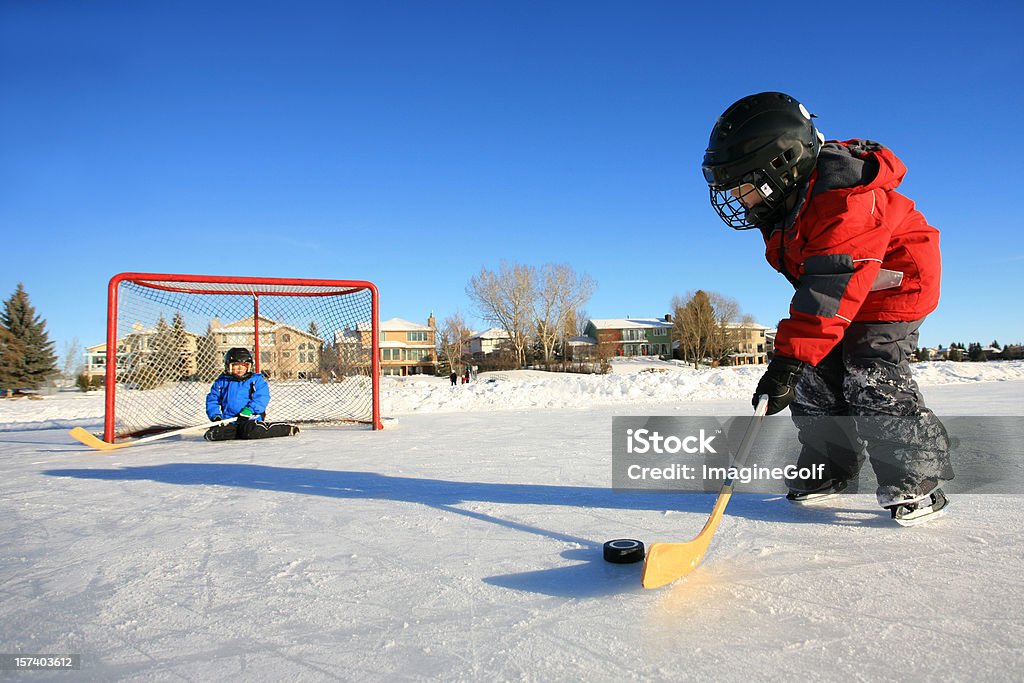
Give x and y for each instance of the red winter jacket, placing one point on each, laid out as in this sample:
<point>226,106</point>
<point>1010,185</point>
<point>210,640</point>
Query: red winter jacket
<point>857,250</point>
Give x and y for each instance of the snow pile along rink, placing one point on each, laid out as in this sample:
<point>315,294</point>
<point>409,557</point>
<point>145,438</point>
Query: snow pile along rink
<point>632,382</point>
<point>525,389</point>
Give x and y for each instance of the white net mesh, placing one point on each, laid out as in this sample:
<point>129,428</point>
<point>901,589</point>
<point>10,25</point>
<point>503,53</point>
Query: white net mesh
<point>315,348</point>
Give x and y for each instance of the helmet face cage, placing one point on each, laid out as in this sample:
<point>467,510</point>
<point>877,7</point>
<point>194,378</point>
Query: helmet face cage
<point>237,355</point>
<point>739,216</point>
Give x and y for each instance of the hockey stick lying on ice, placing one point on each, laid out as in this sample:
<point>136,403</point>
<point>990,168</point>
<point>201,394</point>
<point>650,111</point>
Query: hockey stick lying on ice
<point>89,439</point>
<point>666,562</point>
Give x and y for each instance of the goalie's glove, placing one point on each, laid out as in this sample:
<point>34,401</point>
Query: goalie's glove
<point>779,383</point>
<point>246,413</point>
<point>216,418</point>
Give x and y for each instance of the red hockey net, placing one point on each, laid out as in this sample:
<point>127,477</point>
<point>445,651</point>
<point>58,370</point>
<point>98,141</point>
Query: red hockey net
<point>316,342</point>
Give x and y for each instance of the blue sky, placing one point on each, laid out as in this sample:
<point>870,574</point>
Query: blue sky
<point>412,143</point>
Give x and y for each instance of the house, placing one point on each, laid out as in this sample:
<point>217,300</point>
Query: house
<point>751,342</point>
<point>580,348</point>
<point>406,348</point>
<point>170,348</point>
<point>488,341</point>
<point>631,336</point>
<point>95,361</point>
<point>285,352</point>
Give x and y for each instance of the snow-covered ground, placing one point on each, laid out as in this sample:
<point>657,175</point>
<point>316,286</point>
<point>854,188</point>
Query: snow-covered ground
<point>463,542</point>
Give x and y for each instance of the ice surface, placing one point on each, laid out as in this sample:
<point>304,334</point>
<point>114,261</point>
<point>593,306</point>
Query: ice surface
<point>463,542</point>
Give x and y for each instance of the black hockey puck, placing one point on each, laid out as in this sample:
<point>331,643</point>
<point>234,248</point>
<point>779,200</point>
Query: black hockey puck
<point>623,551</point>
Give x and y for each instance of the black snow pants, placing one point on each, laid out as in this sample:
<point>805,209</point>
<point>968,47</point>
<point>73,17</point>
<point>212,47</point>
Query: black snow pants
<point>249,429</point>
<point>862,400</point>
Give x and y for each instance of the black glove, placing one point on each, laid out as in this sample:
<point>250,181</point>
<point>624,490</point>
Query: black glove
<point>779,382</point>
<point>216,418</point>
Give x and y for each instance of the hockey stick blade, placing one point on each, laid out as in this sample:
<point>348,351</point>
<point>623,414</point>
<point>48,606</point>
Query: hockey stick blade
<point>666,562</point>
<point>89,439</point>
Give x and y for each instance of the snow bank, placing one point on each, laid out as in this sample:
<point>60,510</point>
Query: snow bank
<point>632,382</point>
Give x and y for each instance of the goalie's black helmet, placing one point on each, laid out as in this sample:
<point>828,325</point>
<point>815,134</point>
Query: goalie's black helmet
<point>768,141</point>
<point>237,355</point>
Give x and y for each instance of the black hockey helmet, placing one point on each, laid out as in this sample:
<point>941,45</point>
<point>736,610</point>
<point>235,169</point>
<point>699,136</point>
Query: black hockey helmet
<point>237,355</point>
<point>768,141</point>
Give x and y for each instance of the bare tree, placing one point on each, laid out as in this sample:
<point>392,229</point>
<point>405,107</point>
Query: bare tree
<point>453,340</point>
<point>505,299</point>
<point>702,326</point>
<point>560,292</point>
<point>580,318</point>
<point>71,362</point>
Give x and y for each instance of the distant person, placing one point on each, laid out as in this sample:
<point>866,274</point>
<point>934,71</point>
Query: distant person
<point>865,265</point>
<point>454,377</point>
<point>243,395</point>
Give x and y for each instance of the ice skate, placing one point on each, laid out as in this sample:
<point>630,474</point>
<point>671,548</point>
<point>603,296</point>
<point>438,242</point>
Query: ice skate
<point>828,490</point>
<point>918,511</point>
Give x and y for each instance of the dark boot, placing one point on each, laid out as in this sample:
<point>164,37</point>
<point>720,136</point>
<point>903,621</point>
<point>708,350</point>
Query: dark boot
<point>221,433</point>
<point>259,429</point>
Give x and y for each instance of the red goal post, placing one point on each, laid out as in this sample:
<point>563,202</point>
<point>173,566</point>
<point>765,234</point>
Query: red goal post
<point>316,341</point>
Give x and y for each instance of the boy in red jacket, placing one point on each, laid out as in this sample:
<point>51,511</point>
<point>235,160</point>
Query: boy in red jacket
<point>866,267</point>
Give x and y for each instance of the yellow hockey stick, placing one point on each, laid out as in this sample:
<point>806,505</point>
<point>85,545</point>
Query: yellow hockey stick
<point>666,562</point>
<point>92,441</point>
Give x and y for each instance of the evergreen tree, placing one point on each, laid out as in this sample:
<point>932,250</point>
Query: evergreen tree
<point>163,359</point>
<point>180,338</point>
<point>38,360</point>
<point>12,356</point>
<point>209,364</point>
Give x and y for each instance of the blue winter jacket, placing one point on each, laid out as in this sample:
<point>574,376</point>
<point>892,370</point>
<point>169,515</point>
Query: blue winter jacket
<point>230,394</point>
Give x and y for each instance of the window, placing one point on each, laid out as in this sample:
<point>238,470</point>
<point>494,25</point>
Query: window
<point>417,355</point>
<point>286,337</point>
<point>416,336</point>
<point>634,335</point>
